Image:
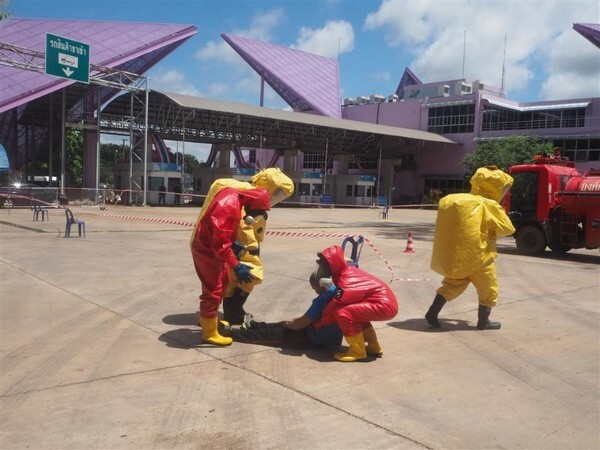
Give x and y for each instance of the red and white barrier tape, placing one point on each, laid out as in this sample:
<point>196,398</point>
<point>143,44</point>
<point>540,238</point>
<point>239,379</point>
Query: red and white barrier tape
<point>268,232</point>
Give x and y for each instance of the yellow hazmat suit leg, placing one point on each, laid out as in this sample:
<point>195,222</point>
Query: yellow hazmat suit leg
<point>356,351</point>
<point>210,334</point>
<point>373,347</point>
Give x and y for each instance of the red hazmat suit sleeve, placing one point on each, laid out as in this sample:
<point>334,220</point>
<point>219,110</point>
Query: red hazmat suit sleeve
<point>224,216</point>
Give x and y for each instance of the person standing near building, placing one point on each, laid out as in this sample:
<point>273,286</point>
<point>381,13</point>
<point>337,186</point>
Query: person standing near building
<point>213,251</point>
<point>464,245</point>
<point>162,194</point>
<point>177,190</point>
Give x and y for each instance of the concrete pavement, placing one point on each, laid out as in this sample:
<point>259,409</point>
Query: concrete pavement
<point>100,348</point>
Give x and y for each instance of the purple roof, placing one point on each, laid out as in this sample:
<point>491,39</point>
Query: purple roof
<point>307,82</point>
<point>408,79</point>
<point>128,46</point>
<point>590,31</point>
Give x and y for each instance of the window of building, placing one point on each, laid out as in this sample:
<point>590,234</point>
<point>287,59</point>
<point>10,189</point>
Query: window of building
<point>505,119</point>
<point>155,183</point>
<point>364,162</point>
<point>439,187</point>
<point>304,189</point>
<point>451,119</point>
<point>348,190</point>
<point>317,189</point>
<point>578,149</point>
<point>360,191</point>
<point>313,161</point>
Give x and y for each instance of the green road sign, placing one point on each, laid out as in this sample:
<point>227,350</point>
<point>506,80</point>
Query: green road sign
<point>67,58</point>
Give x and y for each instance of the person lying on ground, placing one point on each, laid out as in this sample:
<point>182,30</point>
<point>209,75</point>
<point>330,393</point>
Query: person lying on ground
<point>295,333</point>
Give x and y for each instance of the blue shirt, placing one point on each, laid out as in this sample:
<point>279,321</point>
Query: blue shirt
<point>330,335</point>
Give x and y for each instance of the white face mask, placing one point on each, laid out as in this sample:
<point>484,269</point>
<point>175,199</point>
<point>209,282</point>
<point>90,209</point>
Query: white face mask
<point>325,282</point>
<point>249,220</point>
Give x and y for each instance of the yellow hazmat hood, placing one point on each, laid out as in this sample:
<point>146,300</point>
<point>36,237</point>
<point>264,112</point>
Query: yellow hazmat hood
<point>491,182</point>
<point>275,182</point>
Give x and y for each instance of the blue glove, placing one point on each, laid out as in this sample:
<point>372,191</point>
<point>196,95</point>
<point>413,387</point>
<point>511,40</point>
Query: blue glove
<point>238,248</point>
<point>242,272</point>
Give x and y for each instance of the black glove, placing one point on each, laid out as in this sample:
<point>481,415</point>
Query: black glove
<point>242,272</point>
<point>238,248</point>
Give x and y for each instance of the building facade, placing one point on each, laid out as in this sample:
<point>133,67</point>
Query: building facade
<point>469,112</point>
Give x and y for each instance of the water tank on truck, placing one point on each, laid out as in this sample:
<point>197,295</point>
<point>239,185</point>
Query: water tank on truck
<point>580,211</point>
<point>536,206</point>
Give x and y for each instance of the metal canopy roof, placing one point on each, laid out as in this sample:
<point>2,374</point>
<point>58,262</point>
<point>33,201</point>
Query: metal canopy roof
<point>134,47</point>
<point>214,121</point>
<point>307,82</point>
<point>590,31</point>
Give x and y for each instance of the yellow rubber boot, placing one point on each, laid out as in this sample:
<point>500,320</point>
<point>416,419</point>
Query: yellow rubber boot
<point>356,351</point>
<point>373,347</point>
<point>210,333</point>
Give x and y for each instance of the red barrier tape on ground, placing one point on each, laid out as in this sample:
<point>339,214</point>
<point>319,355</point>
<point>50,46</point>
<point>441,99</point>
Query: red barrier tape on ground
<point>268,232</point>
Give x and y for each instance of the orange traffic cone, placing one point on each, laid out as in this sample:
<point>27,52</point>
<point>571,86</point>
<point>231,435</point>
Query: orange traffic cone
<point>409,244</point>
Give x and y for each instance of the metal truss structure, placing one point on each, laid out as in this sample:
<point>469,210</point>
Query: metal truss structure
<point>193,119</point>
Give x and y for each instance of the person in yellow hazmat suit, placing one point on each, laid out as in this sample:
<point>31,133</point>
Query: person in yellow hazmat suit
<point>464,245</point>
<point>250,234</point>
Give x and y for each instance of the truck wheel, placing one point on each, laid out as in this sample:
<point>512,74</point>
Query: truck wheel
<point>530,241</point>
<point>7,203</point>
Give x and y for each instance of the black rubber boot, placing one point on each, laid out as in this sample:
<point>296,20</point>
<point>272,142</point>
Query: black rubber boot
<point>224,328</point>
<point>233,307</point>
<point>484,322</point>
<point>434,310</point>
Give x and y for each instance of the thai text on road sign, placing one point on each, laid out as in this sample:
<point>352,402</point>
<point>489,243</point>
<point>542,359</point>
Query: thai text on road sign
<point>67,58</point>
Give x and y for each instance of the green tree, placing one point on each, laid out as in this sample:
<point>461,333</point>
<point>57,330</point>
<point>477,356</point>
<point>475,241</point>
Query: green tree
<point>190,161</point>
<point>110,154</point>
<point>505,153</point>
<point>74,158</point>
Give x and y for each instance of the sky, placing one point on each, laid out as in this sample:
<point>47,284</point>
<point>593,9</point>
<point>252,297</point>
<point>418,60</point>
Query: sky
<point>530,45</point>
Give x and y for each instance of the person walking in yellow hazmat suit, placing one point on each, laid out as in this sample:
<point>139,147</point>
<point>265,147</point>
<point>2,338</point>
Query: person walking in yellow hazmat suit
<point>249,236</point>
<point>464,245</point>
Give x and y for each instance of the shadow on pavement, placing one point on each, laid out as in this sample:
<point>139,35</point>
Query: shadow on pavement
<point>182,338</point>
<point>423,326</point>
<point>181,319</point>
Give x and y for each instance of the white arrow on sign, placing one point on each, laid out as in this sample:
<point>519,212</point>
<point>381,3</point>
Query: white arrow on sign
<point>68,72</point>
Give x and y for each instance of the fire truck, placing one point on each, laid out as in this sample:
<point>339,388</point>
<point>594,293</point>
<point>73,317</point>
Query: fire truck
<point>551,204</point>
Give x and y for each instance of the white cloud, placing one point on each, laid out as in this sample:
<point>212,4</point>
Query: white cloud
<point>434,32</point>
<point>336,36</point>
<point>199,150</point>
<point>572,74</point>
<point>172,80</point>
<point>260,29</point>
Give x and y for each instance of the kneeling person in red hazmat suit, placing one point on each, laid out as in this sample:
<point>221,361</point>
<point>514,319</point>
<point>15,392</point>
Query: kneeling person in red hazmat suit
<point>362,298</point>
<point>212,251</point>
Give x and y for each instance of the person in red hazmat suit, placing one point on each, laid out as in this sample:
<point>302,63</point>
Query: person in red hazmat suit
<point>361,298</point>
<point>464,245</point>
<point>249,236</point>
<point>213,250</point>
